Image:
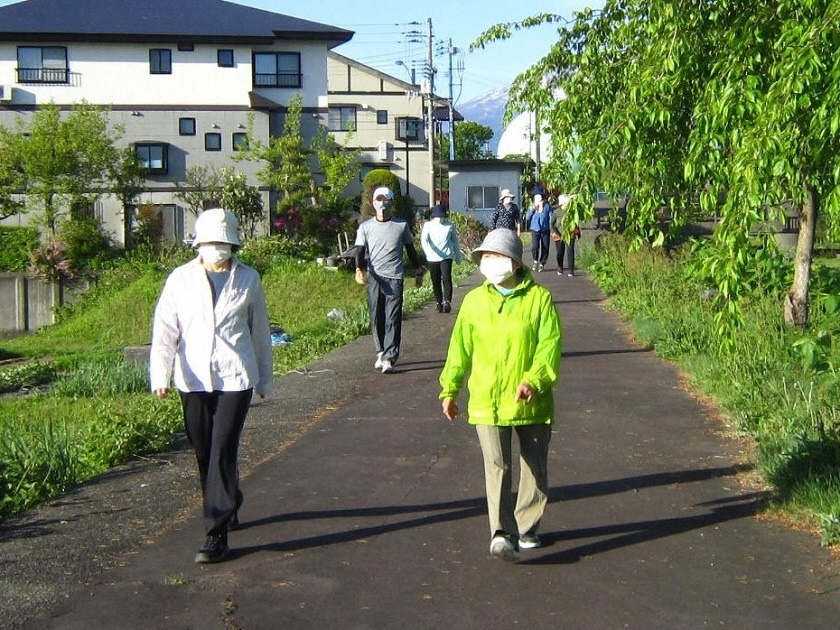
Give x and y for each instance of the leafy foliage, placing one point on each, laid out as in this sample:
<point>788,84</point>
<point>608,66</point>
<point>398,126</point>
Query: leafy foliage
<point>15,245</point>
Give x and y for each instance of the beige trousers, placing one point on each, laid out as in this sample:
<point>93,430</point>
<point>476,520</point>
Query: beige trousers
<point>532,497</point>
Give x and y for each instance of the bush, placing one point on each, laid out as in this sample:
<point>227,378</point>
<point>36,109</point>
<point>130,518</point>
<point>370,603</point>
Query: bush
<point>86,246</point>
<point>15,245</point>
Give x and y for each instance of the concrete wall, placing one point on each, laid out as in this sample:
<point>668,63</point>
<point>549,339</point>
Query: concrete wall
<point>27,304</point>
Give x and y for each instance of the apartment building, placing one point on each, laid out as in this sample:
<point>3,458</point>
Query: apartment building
<point>182,78</point>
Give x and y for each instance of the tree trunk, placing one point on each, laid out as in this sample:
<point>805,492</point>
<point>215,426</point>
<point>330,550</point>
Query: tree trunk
<point>796,301</point>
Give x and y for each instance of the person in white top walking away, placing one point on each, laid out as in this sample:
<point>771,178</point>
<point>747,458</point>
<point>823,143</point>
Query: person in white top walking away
<point>211,337</point>
<point>439,241</point>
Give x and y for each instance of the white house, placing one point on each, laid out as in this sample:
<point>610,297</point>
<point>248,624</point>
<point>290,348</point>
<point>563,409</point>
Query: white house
<point>474,186</point>
<point>181,77</point>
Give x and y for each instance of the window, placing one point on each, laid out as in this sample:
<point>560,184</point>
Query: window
<point>381,116</point>
<point>153,156</point>
<point>239,141</point>
<point>224,57</point>
<point>482,197</point>
<point>160,61</point>
<point>342,118</point>
<point>42,64</point>
<point>186,47</point>
<point>186,126</point>
<point>212,141</point>
<point>277,70</point>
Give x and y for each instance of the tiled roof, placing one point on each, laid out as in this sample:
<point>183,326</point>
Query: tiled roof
<point>155,20</point>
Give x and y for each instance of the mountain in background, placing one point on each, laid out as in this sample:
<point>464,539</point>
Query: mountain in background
<point>487,109</point>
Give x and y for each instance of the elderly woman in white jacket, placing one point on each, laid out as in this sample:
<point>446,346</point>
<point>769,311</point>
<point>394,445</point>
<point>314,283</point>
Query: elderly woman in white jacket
<point>211,338</point>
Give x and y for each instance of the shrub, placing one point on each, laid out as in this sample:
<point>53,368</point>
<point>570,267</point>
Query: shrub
<point>86,246</point>
<point>15,245</point>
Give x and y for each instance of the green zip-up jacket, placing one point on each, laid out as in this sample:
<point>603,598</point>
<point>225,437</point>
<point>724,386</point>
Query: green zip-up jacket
<point>502,340</point>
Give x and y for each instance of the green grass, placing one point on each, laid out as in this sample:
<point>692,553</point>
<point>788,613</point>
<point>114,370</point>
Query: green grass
<point>98,412</point>
<point>787,402</point>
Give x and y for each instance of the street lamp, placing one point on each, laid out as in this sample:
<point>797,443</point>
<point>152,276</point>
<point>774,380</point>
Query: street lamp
<point>399,62</point>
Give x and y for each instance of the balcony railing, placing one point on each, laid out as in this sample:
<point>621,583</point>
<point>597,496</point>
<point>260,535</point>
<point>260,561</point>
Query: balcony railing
<point>282,79</point>
<point>43,75</point>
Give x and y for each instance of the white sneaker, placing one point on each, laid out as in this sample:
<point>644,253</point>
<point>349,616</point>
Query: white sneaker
<point>386,367</point>
<point>502,547</point>
<point>378,364</point>
<point>529,541</point>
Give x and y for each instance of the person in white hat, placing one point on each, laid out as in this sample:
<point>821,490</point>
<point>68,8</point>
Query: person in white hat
<point>507,214</point>
<point>439,240</point>
<point>506,341</point>
<point>379,266</point>
<point>211,338</point>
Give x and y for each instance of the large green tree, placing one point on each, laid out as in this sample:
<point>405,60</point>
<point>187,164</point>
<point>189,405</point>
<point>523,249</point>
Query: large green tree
<point>62,160</point>
<point>472,141</point>
<point>718,107</point>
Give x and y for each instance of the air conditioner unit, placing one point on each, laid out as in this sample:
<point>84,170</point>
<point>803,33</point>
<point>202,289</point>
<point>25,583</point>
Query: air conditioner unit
<point>5,93</point>
<point>384,149</point>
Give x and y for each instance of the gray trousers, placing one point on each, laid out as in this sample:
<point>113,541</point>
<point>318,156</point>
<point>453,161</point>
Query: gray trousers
<point>385,302</point>
<point>532,497</point>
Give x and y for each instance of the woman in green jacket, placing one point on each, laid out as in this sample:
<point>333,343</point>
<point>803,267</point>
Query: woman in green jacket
<point>507,338</point>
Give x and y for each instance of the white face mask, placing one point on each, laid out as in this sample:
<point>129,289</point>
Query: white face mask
<point>496,270</point>
<point>382,206</point>
<point>215,253</point>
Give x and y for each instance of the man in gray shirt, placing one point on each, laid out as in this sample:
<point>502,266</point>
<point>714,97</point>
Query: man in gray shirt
<point>380,240</point>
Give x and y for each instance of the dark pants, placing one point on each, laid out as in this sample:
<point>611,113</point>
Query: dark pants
<point>385,302</point>
<point>441,274</point>
<point>539,246</point>
<point>213,422</point>
<point>569,251</point>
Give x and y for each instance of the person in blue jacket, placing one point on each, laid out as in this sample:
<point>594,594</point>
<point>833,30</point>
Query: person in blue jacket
<point>540,217</point>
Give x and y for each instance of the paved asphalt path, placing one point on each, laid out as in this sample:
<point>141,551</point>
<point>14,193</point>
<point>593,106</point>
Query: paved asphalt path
<point>373,515</point>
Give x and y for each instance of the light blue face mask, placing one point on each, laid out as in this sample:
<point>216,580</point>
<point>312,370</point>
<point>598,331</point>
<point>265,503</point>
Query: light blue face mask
<point>503,290</point>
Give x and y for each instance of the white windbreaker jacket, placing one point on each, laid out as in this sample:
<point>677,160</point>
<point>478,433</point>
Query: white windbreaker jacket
<point>202,348</point>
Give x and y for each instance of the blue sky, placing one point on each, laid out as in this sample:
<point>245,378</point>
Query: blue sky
<point>383,35</point>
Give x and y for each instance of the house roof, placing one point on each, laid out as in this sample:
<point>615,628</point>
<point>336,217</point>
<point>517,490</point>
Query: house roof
<point>215,21</point>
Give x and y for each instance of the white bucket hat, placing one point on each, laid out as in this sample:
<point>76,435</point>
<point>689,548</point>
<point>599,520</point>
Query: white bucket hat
<point>499,241</point>
<point>506,193</point>
<point>216,225</point>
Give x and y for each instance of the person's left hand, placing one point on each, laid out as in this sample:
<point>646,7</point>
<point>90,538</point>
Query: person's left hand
<point>525,392</point>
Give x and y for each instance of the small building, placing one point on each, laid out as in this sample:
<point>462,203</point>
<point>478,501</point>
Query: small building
<point>474,186</point>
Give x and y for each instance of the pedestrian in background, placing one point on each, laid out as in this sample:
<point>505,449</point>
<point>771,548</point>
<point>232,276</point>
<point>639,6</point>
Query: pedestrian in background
<point>564,246</point>
<point>439,241</point>
<point>539,218</point>
<point>379,266</point>
<point>211,338</point>
<point>507,214</point>
<point>506,341</point>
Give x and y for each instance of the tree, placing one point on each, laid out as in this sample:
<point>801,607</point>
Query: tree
<point>11,175</point>
<point>472,141</point>
<point>64,160</point>
<point>722,107</point>
<point>128,178</point>
<point>340,166</point>
<point>201,188</point>
<point>243,200</point>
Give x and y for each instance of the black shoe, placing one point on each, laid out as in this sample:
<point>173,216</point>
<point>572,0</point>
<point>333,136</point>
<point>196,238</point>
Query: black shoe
<point>440,308</point>
<point>447,307</point>
<point>215,549</point>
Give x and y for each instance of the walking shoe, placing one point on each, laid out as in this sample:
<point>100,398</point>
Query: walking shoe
<point>559,272</point>
<point>503,547</point>
<point>387,367</point>
<point>529,541</point>
<point>447,307</point>
<point>534,266</point>
<point>215,548</point>
<point>570,274</point>
<point>378,364</point>
<point>539,267</point>
<point>439,307</point>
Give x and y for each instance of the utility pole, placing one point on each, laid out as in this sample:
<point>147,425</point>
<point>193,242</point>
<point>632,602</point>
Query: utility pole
<point>430,114</point>
<point>451,51</point>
